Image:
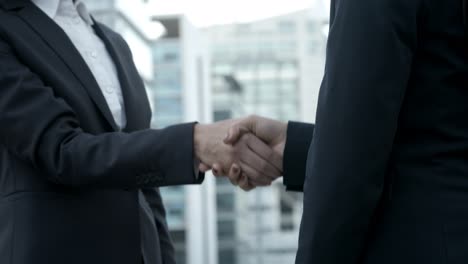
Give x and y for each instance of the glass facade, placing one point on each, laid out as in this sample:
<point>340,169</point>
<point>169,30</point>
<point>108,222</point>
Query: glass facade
<point>270,87</point>
<point>269,60</point>
<point>167,86</point>
<point>166,92</point>
<point>228,240</point>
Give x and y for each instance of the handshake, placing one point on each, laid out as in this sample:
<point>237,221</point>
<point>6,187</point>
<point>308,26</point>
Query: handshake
<point>249,151</point>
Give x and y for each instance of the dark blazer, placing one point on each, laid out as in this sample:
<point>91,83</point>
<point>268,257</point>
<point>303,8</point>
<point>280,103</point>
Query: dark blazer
<point>69,183</point>
<point>387,171</point>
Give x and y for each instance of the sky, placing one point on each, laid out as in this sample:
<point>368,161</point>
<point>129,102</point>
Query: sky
<point>204,13</point>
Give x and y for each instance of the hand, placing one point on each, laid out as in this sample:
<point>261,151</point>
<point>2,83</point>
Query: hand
<point>272,132</point>
<point>210,149</point>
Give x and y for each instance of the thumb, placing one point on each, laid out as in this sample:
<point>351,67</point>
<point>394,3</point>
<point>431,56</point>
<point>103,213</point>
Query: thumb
<point>235,132</point>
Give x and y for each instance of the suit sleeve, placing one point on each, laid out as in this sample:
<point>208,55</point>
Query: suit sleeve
<point>41,129</point>
<point>299,137</point>
<point>369,60</point>
<point>153,197</point>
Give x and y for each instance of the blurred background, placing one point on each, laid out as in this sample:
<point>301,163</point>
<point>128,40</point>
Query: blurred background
<point>210,60</point>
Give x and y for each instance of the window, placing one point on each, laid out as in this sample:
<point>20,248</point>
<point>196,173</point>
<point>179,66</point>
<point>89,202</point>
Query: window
<point>168,106</point>
<point>268,110</point>
<point>175,214</point>
<point>222,115</point>
<point>287,26</point>
<point>225,201</point>
<point>313,27</point>
<point>289,70</point>
<point>164,85</point>
<point>226,229</point>
<point>170,57</point>
<point>165,52</point>
<point>243,29</point>
<point>250,92</point>
<point>250,108</point>
<point>246,72</point>
<point>222,69</point>
<point>165,121</point>
<point>176,211</point>
<point>268,70</point>
<point>287,226</point>
<point>290,111</point>
<point>313,46</point>
<point>227,256</point>
<point>268,91</point>
<point>266,48</point>
<point>288,86</point>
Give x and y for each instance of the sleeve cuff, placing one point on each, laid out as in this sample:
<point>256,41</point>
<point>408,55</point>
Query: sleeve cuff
<point>299,138</point>
<point>179,164</point>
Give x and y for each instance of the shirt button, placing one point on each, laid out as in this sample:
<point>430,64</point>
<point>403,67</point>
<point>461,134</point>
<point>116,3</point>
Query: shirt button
<point>93,54</point>
<point>109,89</point>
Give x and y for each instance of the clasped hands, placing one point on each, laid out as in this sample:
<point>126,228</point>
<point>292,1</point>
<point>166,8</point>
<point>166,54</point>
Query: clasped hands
<point>249,151</point>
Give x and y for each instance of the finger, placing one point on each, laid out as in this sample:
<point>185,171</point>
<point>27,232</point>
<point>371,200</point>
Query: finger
<point>217,170</point>
<point>256,177</point>
<point>234,174</point>
<point>235,133</point>
<point>251,158</point>
<point>245,184</point>
<point>240,128</point>
<point>266,153</point>
<point>204,168</point>
<point>259,184</point>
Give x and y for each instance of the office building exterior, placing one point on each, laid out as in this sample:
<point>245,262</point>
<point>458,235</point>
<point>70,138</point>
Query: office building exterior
<point>272,67</point>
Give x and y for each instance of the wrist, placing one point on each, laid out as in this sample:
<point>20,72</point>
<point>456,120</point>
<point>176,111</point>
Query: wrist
<point>197,132</point>
<point>199,143</point>
<point>281,139</point>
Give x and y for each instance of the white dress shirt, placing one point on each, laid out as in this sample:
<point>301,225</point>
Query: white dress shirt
<point>75,20</point>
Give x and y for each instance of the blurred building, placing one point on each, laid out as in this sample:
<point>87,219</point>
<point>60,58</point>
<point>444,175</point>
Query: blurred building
<point>175,67</point>
<point>181,93</point>
<point>272,68</point>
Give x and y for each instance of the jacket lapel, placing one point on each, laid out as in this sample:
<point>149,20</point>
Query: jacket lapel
<point>58,41</point>
<point>131,94</point>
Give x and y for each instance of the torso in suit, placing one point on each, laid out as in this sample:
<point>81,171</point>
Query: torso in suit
<point>70,181</point>
<point>386,177</point>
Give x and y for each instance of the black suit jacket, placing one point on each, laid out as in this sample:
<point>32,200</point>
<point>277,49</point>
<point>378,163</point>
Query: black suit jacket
<point>387,171</point>
<point>68,181</point>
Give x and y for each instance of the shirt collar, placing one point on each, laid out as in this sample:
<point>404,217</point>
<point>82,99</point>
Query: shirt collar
<point>50,8</point>
<point>83,11</point>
